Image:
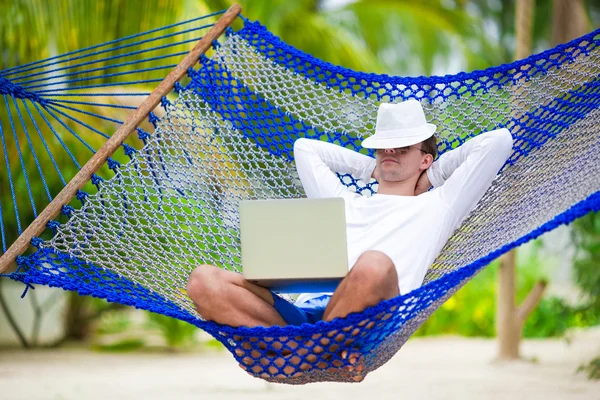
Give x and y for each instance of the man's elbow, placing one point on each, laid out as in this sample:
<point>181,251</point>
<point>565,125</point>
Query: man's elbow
<point>300,145</point>
<point>503,142</point>
<point>506,142</point>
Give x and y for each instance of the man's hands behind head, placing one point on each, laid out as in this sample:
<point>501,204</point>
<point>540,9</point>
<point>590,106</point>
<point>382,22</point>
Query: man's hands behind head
<point>423,184</point>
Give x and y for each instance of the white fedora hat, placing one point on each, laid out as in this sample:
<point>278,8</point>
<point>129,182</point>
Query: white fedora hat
<point>399,125</point>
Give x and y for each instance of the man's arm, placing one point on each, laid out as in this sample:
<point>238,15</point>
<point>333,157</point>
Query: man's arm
<point>317,160</point>
<point>463,175</point>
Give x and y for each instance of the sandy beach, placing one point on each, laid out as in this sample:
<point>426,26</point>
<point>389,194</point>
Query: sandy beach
<point>426,368</point>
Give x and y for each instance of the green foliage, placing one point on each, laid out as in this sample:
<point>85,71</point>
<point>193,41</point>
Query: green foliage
<point>592,369</point>
<point>439,32</point>
<point>471,311</point>
<point>123,334</point>
<point>383,36</point>
<point>176,333</point>
<point>122,346</point>
<point>553,316</point>
<point>586,235</point>
<point>214,345</point>
<point>34,30</point>
<point>113,322</point>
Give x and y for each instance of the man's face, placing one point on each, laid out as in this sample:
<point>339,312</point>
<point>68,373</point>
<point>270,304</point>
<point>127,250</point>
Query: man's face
<point>399,164</point>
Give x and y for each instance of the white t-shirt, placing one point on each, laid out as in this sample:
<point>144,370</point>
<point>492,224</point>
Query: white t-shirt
<point>411,230</point>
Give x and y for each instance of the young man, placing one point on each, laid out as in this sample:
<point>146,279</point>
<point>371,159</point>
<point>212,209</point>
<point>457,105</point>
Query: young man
<point>393,236</point>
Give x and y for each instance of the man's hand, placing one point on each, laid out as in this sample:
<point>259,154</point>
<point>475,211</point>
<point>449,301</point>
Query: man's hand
<point>423,184</point>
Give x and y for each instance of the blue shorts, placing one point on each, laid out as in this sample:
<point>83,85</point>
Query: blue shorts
<point>310,311</point>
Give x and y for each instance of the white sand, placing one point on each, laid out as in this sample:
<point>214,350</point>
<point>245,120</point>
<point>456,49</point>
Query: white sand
<point>431,368</point>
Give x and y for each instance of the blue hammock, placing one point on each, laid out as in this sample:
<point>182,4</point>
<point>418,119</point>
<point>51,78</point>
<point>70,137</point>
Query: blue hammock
<point>227,132</point>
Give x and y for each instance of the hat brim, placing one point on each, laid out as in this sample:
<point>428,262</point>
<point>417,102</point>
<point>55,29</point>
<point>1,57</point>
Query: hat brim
<point>399,138</point>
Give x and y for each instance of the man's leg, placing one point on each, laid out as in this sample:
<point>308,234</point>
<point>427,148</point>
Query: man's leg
<point>372,279</point>
<point>227,298</point>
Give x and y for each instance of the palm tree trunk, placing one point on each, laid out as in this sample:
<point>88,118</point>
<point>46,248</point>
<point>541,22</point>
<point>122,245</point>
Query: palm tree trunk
<point>569,20</point>
<point>510,318</point>
<point>77,323</point>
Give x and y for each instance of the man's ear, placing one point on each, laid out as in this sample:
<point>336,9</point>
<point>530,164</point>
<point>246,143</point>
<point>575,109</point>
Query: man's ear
<point>426,161</point>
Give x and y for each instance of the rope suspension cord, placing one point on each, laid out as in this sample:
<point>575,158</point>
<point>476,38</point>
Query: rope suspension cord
<point>50,113</point>
<point>100,157</point>
<point>46,90</point>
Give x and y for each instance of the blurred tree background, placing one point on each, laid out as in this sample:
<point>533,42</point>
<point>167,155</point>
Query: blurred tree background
<point>384,36</point>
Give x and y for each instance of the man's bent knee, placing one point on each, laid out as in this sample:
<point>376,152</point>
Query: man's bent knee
<point>374,268</point>
<point>202,282</point>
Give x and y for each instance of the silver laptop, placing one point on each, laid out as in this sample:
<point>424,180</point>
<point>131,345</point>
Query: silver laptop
<point>294,245</point>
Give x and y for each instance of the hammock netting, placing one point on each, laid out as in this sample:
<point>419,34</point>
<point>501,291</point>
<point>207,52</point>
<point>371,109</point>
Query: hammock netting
<point>228,135</point>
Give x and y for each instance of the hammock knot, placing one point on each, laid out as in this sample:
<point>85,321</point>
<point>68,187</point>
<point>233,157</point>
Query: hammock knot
<point>113,165</point>
<point>19,92</point>
<point>215,44</point>
<point>67,210</point>
<point>164,102</point>
<point>36,242</point>
<point>251,25</point>
<point>21,262</point>
<point>191,72</point>
<point>81,196</point>
<point>54,225</point>
<point>177,87</point>
<point>152,117</point>
<point>129,151</point>
<point>142,134</point>
<point>96,180</point>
